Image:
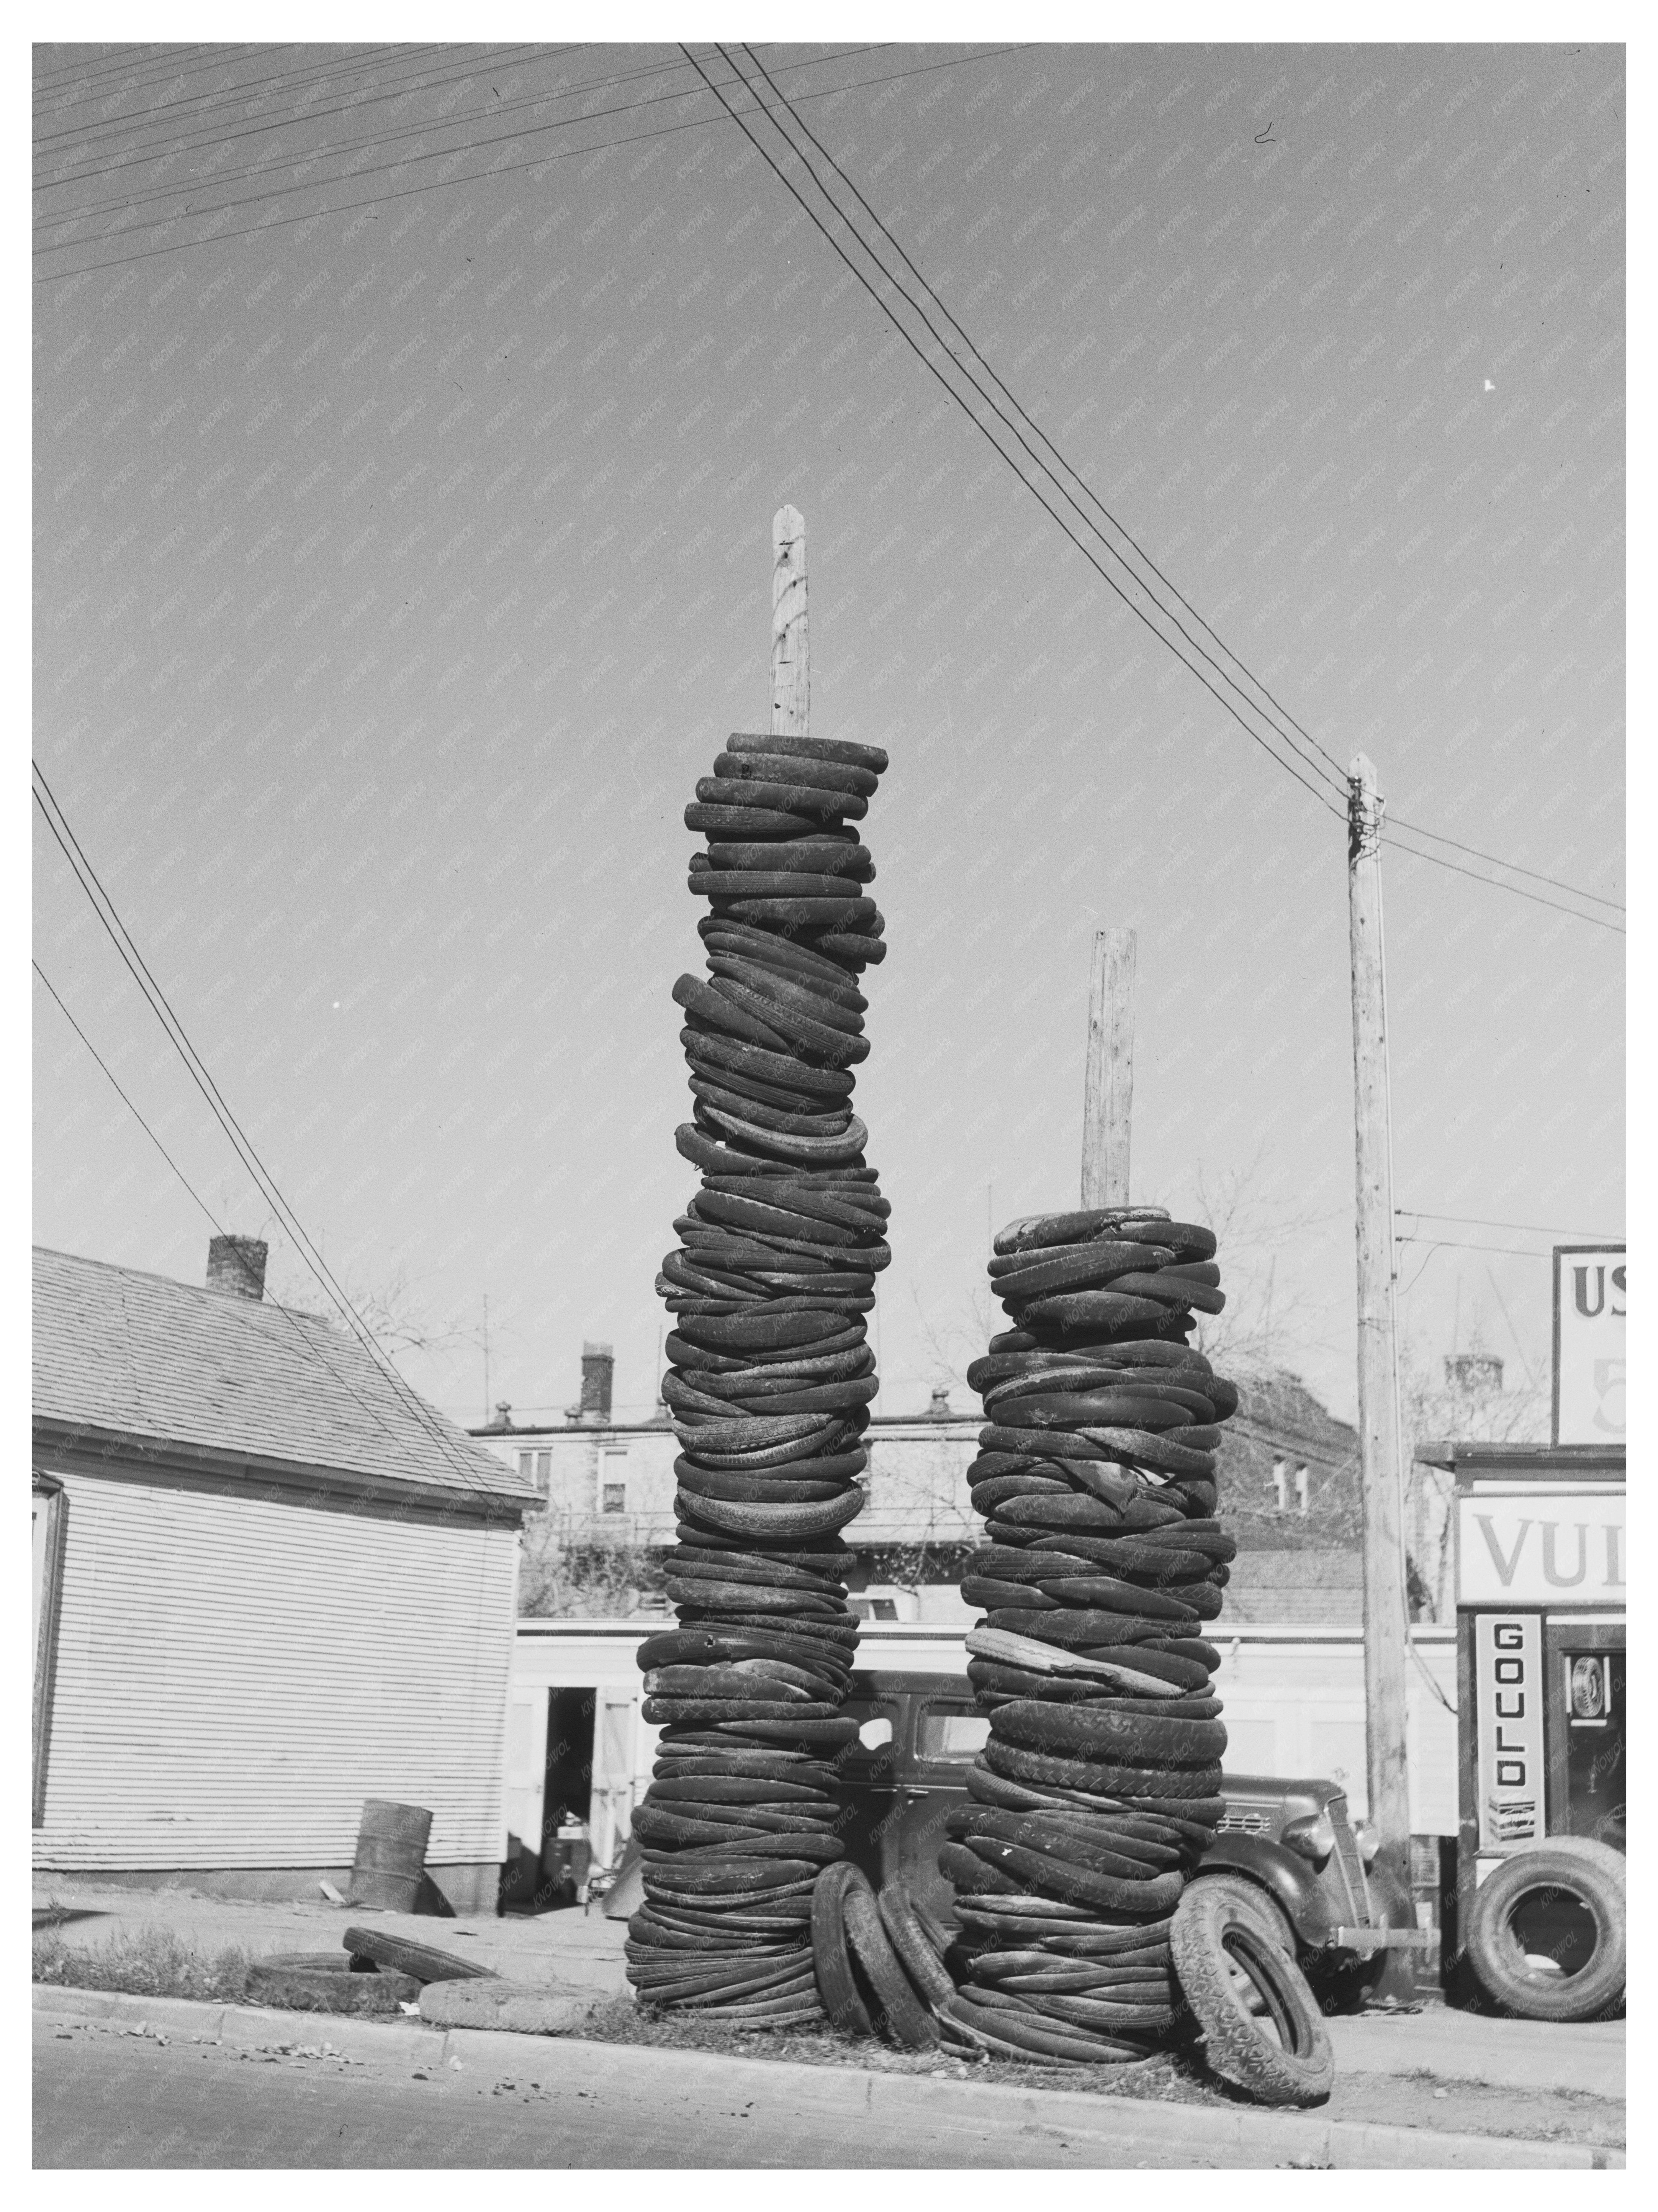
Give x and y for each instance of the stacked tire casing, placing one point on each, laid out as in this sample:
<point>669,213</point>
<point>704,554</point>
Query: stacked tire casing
<point>769,1386</point>
<point>1098,1789</point>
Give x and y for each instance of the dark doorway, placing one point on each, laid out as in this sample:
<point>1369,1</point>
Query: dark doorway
<point>567,1802</point>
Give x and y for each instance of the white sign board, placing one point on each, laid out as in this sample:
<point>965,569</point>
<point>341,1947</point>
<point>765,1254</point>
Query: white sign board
<point>1509,1691</point>
<point>1549,1547</point>
<point>1590,1302</point>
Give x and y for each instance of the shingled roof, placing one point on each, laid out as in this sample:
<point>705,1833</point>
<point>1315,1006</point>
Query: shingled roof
<point>120,1355</point>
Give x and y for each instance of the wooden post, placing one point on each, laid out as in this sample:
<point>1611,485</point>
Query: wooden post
<point>1386,1630</point>
<point>1109,1095</point>
<point>791,660</point>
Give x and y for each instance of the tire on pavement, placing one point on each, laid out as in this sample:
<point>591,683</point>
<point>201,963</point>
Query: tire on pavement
<point>830,1958</point>
<point>397,1954</point>
<point>903,2017</point>
<point>907,1935</point>
<point>1260,2022</point>
<point>1588,1874</point>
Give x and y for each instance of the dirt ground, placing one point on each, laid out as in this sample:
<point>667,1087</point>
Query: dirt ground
<point>1431,2070</point>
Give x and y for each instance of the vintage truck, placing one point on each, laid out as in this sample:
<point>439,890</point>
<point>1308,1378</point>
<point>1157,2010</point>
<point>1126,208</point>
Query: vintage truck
<point>1345,1916</point>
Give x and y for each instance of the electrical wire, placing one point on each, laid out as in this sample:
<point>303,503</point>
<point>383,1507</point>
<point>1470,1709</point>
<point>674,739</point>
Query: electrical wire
<point>1478,1221</point>
<point>58,822</point>
<point>227,95</point>
<point>1334,770</point>
<point>1280,731</point>
<point>328,152</point>
<point>386,137</point>
<point>541,161</point>
<point>1036,491</point>
<point>1554,882</point>
<point>108,67</point>
<point>313,1351</point>
<point>151,156</point>
<point>1519,890</point>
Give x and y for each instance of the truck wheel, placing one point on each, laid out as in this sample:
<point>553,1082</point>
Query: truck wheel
<point>1260,2022</point>
<point>1549,1930</point>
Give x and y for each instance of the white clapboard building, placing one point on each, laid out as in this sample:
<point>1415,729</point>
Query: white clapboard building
<point>270,1583</point>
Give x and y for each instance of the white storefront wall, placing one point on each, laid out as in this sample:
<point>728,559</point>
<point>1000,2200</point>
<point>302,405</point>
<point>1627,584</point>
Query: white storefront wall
<point>1295,1705</point>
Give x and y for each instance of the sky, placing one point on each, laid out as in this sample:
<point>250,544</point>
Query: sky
<point>397,570</point>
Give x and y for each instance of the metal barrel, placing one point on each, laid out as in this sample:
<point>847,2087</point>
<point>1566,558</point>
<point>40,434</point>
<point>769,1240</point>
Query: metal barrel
<point>391,1856</point>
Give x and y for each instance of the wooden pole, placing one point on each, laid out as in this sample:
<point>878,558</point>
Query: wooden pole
<point>1386,1631</point>
<point>1109,1094</point>
<point>791,660</point>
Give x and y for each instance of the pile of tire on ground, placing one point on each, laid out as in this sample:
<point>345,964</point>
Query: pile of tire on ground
<point>1098,1789</point>
<point>769,1386</point>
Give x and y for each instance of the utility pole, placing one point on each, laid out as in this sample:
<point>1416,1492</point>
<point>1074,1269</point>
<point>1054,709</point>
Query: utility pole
<point>1380,1486</point>
<point>791,660</point>
<point>1109,1088</point>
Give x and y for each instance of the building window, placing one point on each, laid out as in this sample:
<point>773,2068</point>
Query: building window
<point>544,1470</point>
<point>527,1466</point>
<point>49,1506</point>
<point>1281,1484</point>
<point>1301,1489</point>
<point>614,1497</point>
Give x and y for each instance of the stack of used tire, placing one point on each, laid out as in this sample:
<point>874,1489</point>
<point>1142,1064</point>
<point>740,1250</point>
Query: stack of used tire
<point>769,1386</point>
<point>1098,1789</point>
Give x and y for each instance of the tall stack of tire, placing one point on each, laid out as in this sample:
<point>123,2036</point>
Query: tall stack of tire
<point>769,1386</point>
<point>1098,1789</point>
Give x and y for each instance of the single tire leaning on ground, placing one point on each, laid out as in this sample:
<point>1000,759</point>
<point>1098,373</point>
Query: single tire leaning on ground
<point>1593,1875</point>
<point>397,1954</point>
<point>1220,1926</point>
<point>922,1961</point>
<point>904,2016</point>
<point>830,1958</point>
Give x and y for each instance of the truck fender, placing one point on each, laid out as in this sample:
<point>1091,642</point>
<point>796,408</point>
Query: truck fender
<point>1292,1884</point>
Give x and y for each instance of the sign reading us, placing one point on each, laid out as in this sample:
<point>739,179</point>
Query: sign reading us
<point>1591,1300</point>
<point>1544,1547</point>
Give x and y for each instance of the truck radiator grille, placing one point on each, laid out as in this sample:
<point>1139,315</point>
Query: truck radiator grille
<point>1350,1869</point>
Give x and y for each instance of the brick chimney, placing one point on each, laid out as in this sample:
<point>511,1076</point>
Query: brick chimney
<point>235,1266</point>
<point>598,1367</point>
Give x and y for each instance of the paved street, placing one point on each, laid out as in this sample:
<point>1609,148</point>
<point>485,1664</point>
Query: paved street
<point>110,2100</point>
<point>138,2088</point>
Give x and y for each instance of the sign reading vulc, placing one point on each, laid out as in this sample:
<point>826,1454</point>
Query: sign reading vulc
<point>1544,1547</point>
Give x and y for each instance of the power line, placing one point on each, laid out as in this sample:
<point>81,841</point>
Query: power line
<point>1279,730</point>
<point>989,436</point>
<point>1337,775</point>
<point>225,95</point>
<point>505,169</point>
<point>262,167</point>
<point>386,138</point>
<point>104,906</point>
<point>1554,882</point>
<point>313,1351</point>
<point>107,67</point>
<point>1478,1221</point>
<point>1518,890</point>
<point>1462,1244</point>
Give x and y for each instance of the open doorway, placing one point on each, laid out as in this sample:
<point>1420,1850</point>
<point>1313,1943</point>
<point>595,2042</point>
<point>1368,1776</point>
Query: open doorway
<point>568,1797</point>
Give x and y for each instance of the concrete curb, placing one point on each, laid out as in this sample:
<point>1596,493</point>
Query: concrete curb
<point>1119,2125</point>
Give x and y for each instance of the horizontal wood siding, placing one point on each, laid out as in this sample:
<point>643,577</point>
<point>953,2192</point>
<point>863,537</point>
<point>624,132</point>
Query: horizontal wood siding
<point>237,1672</point>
